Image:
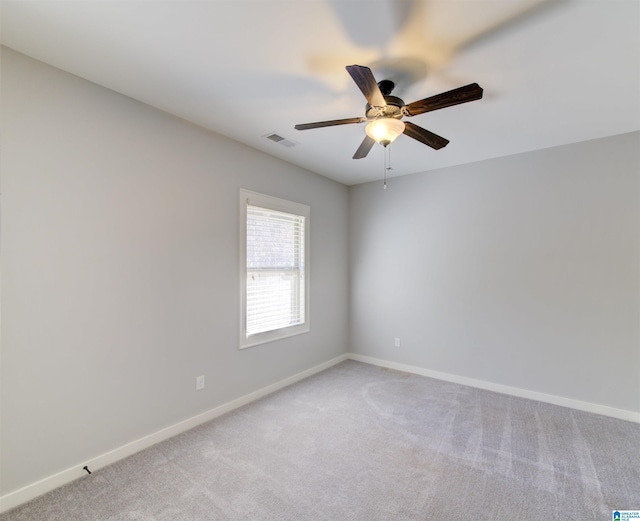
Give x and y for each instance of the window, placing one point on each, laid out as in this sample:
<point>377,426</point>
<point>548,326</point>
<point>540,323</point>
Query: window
<point>274,268</point>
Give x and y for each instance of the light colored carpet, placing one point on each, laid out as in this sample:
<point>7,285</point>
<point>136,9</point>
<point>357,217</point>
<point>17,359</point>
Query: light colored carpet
<point>358,442</point>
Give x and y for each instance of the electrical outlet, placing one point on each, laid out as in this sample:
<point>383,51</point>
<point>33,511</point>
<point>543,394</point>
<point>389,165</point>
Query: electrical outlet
<point>397,344</point>
<point>199,383</point>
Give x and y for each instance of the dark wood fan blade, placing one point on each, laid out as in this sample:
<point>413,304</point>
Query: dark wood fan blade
<point>364,148</point>
<point>367,83</point>
<point>469,92</point>
<point>424,136</point>
<point>331,123</point>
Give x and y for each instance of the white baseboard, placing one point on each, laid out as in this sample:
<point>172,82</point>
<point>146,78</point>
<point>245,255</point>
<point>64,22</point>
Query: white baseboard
<point>604,410</point>
<point>20,496</point>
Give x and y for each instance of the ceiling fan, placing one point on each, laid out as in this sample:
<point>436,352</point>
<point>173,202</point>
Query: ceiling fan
<point>385,112</point>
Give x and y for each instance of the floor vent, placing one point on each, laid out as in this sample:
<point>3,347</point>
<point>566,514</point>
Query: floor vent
<point>276,138</point>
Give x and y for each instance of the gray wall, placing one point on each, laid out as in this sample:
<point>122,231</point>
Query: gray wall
<point>120,270</point>
<point>521,271</point>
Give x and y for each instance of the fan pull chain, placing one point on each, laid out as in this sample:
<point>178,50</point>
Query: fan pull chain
<point>387,164</point>
<point>384,186</point>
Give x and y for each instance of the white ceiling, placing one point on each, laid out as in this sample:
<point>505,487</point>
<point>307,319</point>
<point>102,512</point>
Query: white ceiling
<point>553,72</point>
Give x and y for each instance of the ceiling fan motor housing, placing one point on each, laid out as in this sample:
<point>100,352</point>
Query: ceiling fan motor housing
<point>393,109</point>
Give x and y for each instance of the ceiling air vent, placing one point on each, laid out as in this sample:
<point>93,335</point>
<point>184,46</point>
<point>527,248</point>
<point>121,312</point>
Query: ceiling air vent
<point>276,138</point>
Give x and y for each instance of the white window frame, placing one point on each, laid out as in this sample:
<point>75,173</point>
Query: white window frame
<point>282,205</point>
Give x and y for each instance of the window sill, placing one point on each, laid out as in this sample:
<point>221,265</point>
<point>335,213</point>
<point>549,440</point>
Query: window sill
<point>272,336</point>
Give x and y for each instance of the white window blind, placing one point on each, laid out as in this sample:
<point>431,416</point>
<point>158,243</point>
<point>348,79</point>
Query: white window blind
<point>275,286</point>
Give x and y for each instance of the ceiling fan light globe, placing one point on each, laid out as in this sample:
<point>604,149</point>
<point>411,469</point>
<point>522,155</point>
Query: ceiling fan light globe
<point>384,130</point>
